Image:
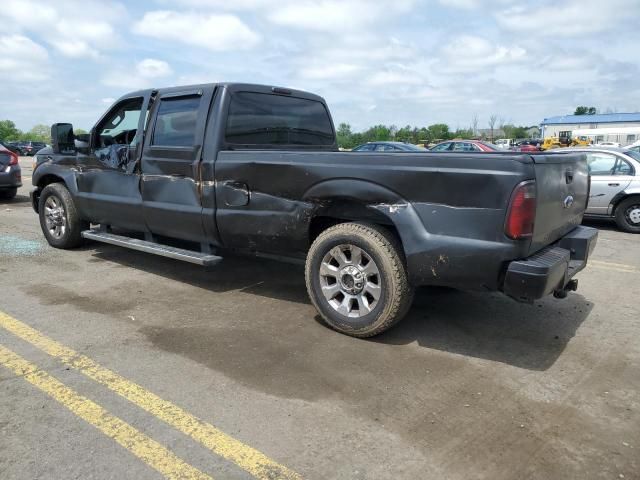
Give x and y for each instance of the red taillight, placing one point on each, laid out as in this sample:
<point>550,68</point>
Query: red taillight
<point>522,211</point>
<point>14,158</point>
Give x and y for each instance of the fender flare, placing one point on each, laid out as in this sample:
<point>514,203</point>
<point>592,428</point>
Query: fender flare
<point>620,196</point>
<point>47,173</point>
<point>380,200</point>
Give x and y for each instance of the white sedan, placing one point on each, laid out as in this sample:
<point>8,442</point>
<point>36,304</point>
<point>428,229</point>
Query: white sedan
<point>615,185</point>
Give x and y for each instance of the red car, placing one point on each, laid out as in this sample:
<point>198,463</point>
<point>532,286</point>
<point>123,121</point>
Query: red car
<point>465,146</point>
<point>527,148</point>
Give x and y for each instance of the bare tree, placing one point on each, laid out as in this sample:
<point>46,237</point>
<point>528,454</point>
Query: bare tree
<point>493,118</point>
<point>474,124</point>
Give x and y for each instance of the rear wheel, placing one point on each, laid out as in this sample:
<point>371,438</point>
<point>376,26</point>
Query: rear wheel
<point>628,215</point>
<point>8,193</point>
<point>59,219</point>
<point>357,280</point>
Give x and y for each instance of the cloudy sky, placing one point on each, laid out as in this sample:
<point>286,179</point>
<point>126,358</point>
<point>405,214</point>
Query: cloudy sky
<point>375,61</point>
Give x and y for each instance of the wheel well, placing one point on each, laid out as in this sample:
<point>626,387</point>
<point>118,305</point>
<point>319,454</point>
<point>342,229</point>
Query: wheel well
<point>622,199</point>
<point>320,223</point>
<point>44,181</point>
<point>48,179</point>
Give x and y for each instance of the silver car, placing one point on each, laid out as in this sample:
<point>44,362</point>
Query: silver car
<point>615,185</point>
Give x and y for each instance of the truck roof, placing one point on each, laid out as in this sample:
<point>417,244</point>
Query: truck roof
<point>232,86</point>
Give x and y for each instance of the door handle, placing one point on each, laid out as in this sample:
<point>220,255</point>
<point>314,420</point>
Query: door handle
<point>614,184</point>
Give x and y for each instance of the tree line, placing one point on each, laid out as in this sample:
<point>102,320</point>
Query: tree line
<point>423,135</point>
<point>10,133</point>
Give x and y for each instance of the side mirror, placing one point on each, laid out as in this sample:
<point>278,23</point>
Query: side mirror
<point>62,138</point>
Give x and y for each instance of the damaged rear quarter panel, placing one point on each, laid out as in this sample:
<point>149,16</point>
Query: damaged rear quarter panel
<point>448,209</point>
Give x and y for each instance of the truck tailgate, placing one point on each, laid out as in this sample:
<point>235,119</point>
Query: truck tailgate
<point>562,182</point>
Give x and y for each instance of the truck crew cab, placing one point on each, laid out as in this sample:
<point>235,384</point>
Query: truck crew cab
<point>236,168</point>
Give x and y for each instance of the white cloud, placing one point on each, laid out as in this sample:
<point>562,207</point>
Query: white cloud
<point>336,15</point>
<point>144,75</point>
<point>472,53</point>
<point>65,25</point>
<point>213,32</point>
<point>152,68</point>
<point>466,4</point>
<point>330,72</point>
<point>391,77</point>
<point>22,59</point>
<point>568,19</point>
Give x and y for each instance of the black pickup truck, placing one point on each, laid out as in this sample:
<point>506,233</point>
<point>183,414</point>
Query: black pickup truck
<point>199,172</point>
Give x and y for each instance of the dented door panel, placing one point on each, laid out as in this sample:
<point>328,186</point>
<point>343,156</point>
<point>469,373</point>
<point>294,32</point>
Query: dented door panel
<point>171,183</point>
<point>108,177</point>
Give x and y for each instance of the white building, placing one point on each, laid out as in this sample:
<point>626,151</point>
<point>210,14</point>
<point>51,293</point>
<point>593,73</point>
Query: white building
<point>620,126</point>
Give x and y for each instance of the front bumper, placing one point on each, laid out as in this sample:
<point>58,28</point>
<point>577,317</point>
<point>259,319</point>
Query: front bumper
<point>551,269</point>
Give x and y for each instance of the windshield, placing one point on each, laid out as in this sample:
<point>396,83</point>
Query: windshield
<point>633,154</point>
<point>413,148</point>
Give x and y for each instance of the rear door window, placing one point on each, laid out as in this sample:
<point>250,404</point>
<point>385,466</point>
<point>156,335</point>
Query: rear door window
<point>176,122</point>
<point>463,147</point>
<point>364,148</point>
<point>622,168</point>
<point>265,119</point>
<point>442,147</point>
<point>601,163</point>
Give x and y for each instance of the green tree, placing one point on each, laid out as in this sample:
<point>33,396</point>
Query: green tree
<point>405,134</point>
<point>519,132</point>
<point>463,133</point>
<point>438,131</point>
<point>8,130</point>
<point>343,134</point>
<point>82,131</point>
<point>582,110</point>
<point>40,133</point>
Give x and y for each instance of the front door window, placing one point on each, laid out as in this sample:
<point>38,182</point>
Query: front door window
<point>116,137</point>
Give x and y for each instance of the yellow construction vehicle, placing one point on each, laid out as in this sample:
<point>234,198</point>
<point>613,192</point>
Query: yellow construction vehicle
<point>560,142</point>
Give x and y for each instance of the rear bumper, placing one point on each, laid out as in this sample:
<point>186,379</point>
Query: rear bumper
<point>12,178</point>
<point>552,268</point>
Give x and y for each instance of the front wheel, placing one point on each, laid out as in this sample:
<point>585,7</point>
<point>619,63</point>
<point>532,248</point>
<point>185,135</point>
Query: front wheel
<point>628,215</point>
<point>357,280</point>
<point>59,219</point>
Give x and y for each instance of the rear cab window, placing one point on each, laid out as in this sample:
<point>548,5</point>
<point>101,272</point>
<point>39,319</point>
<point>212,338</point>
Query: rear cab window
<point>262,119</point>
<point>176,122</point>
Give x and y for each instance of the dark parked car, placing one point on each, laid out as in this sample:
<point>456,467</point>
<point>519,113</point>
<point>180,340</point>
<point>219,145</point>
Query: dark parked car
<point>30,148</point>
<point>266,177</point>
<point>465,146</point>
<point>388,147</point>
<point>10,174</point>
<point>11,146</point>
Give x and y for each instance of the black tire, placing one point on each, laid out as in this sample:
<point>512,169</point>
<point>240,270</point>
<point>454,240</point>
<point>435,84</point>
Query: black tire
<point>626,212</point>
<point>377,244</point>
<point>70,236</point>
<point>8,193</point>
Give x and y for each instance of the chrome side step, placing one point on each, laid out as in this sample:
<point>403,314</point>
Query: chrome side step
<point>204,259</point>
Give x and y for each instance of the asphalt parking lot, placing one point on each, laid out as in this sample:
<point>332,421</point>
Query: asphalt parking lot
<point>118,364</point>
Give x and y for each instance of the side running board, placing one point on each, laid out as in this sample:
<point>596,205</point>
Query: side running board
<point>204,259</point>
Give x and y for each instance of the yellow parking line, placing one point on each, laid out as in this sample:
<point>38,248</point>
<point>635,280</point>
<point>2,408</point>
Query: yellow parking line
<point>143,447</point>
<point>246,457</point>
<point>617,267</point>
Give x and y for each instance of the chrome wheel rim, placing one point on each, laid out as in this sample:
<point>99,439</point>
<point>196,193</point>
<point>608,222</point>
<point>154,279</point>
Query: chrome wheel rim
<point>350,281</point>
<point>633,214</point>
<point>55,217</point>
